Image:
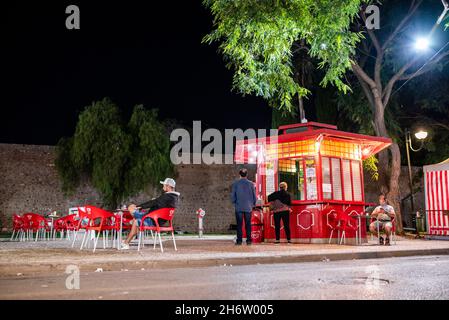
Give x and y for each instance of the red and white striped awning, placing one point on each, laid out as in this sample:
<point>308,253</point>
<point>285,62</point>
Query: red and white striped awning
<point>436,181</point>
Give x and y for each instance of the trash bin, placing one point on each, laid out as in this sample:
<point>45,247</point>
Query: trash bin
<point>256,226</point>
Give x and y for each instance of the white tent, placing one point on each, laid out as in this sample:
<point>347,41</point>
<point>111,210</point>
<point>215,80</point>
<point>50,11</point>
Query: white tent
<point>436,184</point>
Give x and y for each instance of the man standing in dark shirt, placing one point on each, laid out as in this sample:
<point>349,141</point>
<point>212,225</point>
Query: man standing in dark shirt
<point>169,199</point>
<point>243,197</point>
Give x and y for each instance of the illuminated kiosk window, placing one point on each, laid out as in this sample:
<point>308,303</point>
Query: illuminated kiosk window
<point>327,186</point>
<point>347,180</point>
<point>270,184</point>
<point>341,149</point>
<point>336,179</point>
<point>311,187</point>
<point>290,171</point>
<point>357,181</point>
<point>302,184</point>
<point>294,149</point>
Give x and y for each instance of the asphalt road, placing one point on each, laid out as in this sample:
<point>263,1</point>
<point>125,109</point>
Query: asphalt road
<point>392,278</point>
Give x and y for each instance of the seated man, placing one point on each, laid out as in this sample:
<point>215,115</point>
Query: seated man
<point>169,199</point>
<point>384,214</point>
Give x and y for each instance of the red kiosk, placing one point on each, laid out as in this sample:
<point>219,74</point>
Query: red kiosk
<point>323,169</point>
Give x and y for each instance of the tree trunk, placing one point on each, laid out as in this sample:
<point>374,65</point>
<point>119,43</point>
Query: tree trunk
<point>390,180</point>
<point>302,113</point>
<point>384,161</point>
<point>394,195</point>
<point>383,169</point>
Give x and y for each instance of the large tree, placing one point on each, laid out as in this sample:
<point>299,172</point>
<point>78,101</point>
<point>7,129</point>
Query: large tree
<point>384,60</point>
<point>258,39</point>
<point>119,158</point>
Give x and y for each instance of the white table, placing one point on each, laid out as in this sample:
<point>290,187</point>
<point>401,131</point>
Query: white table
<point>52,223</point>
<point>119,237</point>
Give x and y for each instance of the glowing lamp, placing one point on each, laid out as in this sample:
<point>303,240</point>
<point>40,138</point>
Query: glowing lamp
<point>421,135</point>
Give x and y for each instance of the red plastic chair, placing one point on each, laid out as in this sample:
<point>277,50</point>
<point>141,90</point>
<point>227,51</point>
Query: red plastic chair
<point>100,221</point>
<point>353,222</point>
<point>17,226</point>
<point>80,221</point>
<point>164,213</point>
<point>331,220</point>
<point>59,225</point>
<point>127,220</point>
<point>71,222</point>
<point>36,223</point>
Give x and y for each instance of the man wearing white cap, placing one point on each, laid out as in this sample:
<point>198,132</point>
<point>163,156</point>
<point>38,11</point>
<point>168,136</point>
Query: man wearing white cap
<point>169,199</point>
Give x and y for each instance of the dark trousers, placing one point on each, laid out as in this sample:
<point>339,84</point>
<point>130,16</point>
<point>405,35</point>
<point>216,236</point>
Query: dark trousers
<point>285,216</point>
<point>239,216</point>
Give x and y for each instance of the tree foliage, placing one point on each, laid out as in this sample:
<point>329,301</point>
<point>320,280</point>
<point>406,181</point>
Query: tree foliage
<point>120,159</point>
<point>256,39</point>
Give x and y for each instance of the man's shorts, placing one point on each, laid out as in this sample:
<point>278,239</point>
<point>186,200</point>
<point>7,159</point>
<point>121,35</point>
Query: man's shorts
<point>148,222</point>
<point>382,224</point>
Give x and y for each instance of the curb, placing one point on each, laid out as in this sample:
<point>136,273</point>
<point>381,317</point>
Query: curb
<point>35,269</point>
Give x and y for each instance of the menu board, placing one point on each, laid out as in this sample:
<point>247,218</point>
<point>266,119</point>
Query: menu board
<point>311,191</point>
<point>310,172</point>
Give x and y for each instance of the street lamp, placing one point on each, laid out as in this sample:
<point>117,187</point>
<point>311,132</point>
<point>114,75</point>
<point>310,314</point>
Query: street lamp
<point>422,44</point>
<point>420,135</point>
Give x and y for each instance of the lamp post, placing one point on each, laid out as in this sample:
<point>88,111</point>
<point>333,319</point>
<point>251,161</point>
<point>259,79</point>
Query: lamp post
<point>420,135</point>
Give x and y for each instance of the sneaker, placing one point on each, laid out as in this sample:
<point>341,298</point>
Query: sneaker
<point>248,243</point>
<point>387,241</point>
<point>238,243</point>
<point>125,246</point>
<point>289,241</point>
<point>381,241</point>
<point>277,242</point>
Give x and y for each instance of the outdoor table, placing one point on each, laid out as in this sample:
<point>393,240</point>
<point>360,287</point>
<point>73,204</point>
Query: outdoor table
<point>119,237</point>
<point>52,223</point>
<point>359,218</point>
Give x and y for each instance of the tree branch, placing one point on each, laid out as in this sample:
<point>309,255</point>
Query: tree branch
<point>366,90</point>
<point>428,68</point>
<point>389,87</point>
<point>430,121</point>
<point>366,53</point>
<point>379,56</point>
<point>413,7</point>
<point>359,71</point>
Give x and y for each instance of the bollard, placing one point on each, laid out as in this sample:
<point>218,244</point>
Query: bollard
<point>200,213</point>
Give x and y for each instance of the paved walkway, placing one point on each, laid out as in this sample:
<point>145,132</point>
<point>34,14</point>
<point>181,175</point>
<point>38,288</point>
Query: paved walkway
<point>50,256</point>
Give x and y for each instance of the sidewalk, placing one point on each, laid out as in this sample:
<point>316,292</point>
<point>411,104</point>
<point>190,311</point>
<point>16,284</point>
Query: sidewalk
<point>54,256</point>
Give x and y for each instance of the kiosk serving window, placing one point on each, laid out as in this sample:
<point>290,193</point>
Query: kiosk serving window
<point>290,171</point>
<point>300,175</point>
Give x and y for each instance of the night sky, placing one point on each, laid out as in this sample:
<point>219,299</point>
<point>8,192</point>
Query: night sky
<point>133,52</point>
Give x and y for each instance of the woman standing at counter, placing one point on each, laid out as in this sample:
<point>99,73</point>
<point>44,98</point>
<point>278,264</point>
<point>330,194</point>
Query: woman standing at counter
<point>280,205</point>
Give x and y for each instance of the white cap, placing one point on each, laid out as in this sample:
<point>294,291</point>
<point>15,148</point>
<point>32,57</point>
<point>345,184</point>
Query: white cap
<point>169,181</point>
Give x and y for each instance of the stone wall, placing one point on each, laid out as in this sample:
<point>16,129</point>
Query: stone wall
<point>30,184</point>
